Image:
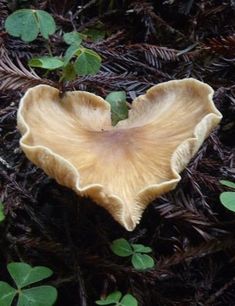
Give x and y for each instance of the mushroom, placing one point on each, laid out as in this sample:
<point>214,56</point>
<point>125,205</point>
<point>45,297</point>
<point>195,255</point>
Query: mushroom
<point>123,167</point>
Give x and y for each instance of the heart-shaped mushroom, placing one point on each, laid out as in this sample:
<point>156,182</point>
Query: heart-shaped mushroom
<point>122,168</point>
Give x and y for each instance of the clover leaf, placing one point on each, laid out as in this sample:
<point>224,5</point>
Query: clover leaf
<point>73,38</point>
<point>227,198</point>
<point>228,183</point>
<point>46,62</point>
<point>140,261</point>
<point>129,300</point>
<point>119,108</point>
<point>7,294</point>
<point>88,62</point>
<point>70,52</point>
<point>140,248</point>
<point>38,296</point>
<point>23,276</point>
<point>116,299</point>
<point>2,215</point>
<point>121,247</point>
<point>112,298</point>
<point>28,23</point>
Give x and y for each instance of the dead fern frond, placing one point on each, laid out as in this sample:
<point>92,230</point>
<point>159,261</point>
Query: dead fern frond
<point>156,55</point>
<point>204,249</point>
<point>19,49</point>
<point>222,45</point>
<point>17,77</point>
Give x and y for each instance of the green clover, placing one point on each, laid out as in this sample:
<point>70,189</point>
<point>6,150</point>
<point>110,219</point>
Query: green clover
<point>2,215</point>
<point>28,23</point>
<point>46,62</point>
<point>140,261</point>
<point>24,275</point>
<point>119,108</point>
<point>116,299</point>
<point>227,198</point>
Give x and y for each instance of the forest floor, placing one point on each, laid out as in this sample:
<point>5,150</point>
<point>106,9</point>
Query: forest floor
<point>192,235</point>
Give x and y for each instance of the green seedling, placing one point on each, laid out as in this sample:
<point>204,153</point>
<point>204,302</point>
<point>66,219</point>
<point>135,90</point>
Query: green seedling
<point>24,276</point>
<point>117,299</point>
<point>227,198</point>
<point>139,259</point>
<point>77,59</point>
<point>86,60</point>
<point>28,24</point>
<point>2,215</point>
<point>119,108</point>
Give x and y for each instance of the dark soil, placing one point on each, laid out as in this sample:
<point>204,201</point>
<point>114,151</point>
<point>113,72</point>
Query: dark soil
<point>191,233</point>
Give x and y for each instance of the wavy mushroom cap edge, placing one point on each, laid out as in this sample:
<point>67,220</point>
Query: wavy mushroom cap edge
<point>122,168</point>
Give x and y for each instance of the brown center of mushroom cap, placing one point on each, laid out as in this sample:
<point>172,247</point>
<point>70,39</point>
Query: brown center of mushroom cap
<point>132,162</point>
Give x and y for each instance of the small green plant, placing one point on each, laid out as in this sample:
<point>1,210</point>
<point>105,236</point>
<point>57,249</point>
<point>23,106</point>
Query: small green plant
<point>28,23</point>
<point>87,61</point>
<point>117,299</point>
<point>46,62</point>
<point>2,215</point>
<point>77,59</point>
<point>24,276</point>
<point>139,259</point>
<point>227,198</point>
<point>119,107</point>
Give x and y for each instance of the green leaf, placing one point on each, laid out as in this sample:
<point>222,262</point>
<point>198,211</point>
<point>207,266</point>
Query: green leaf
<point>69,72</point>
<point>2,215</point>
<point>140,248</point>
<point>119,108</point>
<point>142,261</point>
<point>228,183</point>
<point>46,62</point>
<point>227,198</point>
<point>7,294</point>
<point>24,275</point>
<point>70,52</point>
<point>121,247</point>
<point>47,24</point>
<point>28,23</point>
<point>129,300</point>
<point>38,296</point>
<point>88,62</point>
<point>23,23</point>
<point>112,298</point>
<point>73,38</point>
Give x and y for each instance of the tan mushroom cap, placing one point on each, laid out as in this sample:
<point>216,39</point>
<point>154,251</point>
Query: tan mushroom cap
<point>122,168</point>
